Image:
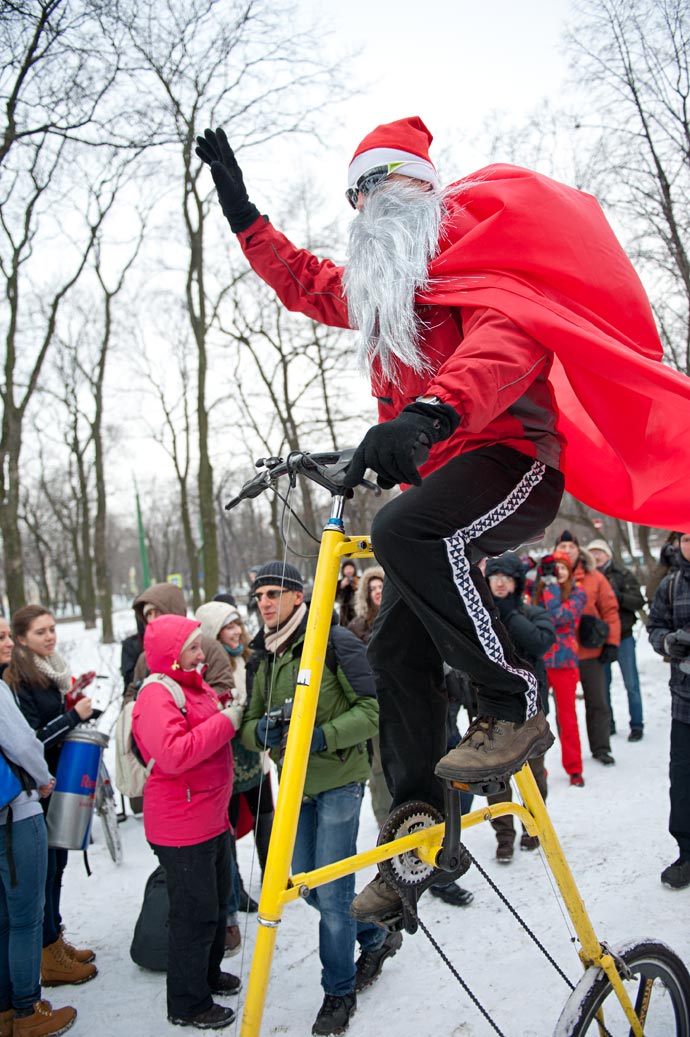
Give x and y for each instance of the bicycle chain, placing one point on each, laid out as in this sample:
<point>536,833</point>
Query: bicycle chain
<point>524,925</point>
<point>475,1000</point>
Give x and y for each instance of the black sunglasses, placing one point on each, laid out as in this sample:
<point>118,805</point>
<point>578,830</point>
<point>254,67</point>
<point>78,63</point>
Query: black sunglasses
<point>271,595</point>
<point>366,183</point>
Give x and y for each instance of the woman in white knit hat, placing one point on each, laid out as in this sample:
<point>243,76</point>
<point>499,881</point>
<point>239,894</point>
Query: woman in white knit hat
<point>251,806</point>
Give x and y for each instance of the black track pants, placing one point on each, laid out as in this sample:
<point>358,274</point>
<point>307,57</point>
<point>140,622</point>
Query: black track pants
<point>437,606</point>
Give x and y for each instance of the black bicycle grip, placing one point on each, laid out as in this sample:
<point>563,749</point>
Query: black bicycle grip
<point>253,488</point>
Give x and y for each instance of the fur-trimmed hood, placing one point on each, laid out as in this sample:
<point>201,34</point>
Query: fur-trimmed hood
<point>362,594</point>
<point>587,559</point>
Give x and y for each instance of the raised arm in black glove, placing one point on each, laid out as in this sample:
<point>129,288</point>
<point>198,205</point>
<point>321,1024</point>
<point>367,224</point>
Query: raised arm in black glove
<point>394,448</point>
<point>214,150</point>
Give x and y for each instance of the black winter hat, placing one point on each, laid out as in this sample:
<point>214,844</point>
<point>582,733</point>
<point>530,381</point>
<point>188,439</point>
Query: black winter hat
<point>567,535</point>
<point>279,574</point>
<point>510,565</point>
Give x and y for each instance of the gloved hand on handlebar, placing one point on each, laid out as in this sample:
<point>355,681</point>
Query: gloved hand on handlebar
<point>214,150</point>
<point>394,448</point>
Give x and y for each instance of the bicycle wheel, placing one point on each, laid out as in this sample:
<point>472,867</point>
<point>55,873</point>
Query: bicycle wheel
<point>657,983</point>
<point>107,811</point>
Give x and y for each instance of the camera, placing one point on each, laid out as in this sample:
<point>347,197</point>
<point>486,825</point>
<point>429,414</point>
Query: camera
<point>280,717</point>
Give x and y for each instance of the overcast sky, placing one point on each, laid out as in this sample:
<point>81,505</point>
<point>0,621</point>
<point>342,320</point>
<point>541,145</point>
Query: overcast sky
<point>452,62</point>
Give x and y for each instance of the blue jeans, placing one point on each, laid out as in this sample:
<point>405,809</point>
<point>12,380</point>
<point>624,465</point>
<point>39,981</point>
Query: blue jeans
<point>52,919</point>
<point>327,832</point>
<point>631,680</point>
<point>21,913</point>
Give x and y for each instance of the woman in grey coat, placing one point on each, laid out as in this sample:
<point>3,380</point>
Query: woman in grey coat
<point>23,865</point>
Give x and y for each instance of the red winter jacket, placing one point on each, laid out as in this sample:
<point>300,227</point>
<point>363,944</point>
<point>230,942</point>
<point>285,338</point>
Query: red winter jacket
<point>531,300</point>
<point>601,602</point>
<point>186,796</point>
<point>493,373</point>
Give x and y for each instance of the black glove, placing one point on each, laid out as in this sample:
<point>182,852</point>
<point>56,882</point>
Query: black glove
<point>394,448</point>
<point>547,567</point>
<point>214,150</point>
<point>318,741</point>
<point>609,654</point>
<point>677,644</point>
<point>506,606</point>
<point>269,732</point>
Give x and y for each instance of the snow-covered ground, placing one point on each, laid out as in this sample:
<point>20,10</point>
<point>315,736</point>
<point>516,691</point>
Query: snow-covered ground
<point>614,832</point>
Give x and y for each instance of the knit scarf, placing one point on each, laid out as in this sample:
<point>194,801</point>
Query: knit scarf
<point>55,667</point>
<point>277,640</point>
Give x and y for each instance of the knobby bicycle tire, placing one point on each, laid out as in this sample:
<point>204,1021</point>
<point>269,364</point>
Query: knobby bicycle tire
<point>659,989</point>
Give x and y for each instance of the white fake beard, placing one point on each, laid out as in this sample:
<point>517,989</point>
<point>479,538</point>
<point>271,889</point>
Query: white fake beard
<point>391,242</point>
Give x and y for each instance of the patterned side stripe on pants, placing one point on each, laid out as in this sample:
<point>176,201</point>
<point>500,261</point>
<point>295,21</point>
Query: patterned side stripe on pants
<point>456,547</point>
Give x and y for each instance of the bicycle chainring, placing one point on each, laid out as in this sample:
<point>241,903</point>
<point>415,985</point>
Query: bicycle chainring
<point>407,870</point>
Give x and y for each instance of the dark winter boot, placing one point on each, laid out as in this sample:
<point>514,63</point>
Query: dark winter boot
<point>264,825</point>
<point>452,894</point>
<point>677,875</point>
<point>225,983</point>
<point>213,1018</point>
<point>369,964</point>
<point>335,1014</point>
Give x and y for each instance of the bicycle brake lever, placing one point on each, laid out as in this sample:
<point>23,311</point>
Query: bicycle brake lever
<point>251,489</point>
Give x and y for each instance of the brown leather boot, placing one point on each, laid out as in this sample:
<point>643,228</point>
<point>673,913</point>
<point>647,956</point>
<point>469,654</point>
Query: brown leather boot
<point>6,1021</point>
<point>45,1021</point>
<point>494,749</point>
<point>57,967</point>
<point>82,956</point>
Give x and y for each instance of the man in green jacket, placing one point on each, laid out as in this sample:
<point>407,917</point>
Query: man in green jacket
<point>346,716</point>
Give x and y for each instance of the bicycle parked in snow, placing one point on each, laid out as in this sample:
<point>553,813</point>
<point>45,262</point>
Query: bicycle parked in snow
<point>641,988</point>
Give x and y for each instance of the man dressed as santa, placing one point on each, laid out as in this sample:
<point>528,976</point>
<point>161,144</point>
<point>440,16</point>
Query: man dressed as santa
<point>508,337</point>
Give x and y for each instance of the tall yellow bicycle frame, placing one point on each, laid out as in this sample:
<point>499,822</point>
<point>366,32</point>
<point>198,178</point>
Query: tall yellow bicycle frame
<point>280,889</point>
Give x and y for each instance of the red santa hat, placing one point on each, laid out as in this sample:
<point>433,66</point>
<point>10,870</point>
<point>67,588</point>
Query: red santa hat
<point>402,145</point>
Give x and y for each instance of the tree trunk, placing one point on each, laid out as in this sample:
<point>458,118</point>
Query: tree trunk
<point>190,546</point>
<point>9,508</point>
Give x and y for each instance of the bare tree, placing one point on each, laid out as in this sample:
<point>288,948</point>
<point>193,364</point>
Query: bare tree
<point>57,71</point>
<point>632,61</point>
<point>175,437</point>
<point>57,84</point>
<point>253,67</point>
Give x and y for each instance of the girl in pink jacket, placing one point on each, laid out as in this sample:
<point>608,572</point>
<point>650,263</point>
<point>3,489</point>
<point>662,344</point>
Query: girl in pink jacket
<point>186,815</point>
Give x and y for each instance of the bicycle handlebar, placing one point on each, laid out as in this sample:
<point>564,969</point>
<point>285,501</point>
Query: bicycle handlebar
<point>327,468</point>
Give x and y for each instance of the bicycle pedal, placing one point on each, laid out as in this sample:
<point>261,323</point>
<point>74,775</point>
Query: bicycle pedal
<point>391,924</point>
<point>486,787</point>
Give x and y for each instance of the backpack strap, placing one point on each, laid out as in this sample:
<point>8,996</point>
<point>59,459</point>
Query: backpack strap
<point>173,687</point>
<point>178,697</point>
<point>347,651</point>
<point>673,587</point>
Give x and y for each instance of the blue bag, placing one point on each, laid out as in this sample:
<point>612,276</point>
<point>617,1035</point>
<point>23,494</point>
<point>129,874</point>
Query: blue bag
<point>10,784</point>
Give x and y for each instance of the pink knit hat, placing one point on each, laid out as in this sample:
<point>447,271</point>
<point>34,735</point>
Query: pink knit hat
<point>402,145</point>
